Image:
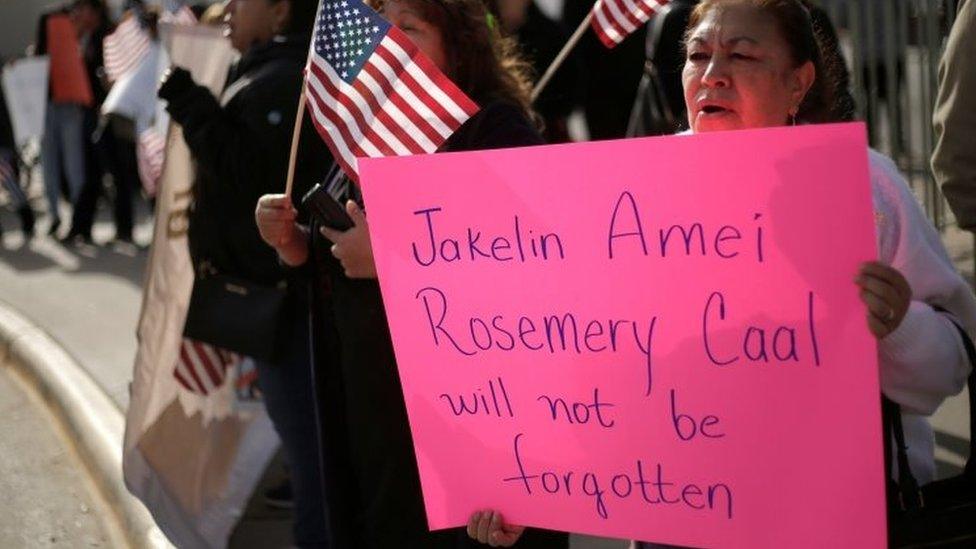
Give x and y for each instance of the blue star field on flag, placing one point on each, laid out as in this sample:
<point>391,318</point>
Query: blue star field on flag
<point>347,34</point>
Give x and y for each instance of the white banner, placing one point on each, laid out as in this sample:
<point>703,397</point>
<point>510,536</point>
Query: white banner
<point>193,460</point>
<point>25,88</point>
<point>134,95</point>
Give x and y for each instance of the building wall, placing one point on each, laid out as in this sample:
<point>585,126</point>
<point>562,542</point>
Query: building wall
<point>18,23</point>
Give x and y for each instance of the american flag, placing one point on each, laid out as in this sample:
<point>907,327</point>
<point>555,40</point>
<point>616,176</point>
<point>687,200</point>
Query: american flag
<point>372,92</point>
<point>150,153</point>
<point>614,20</point>
<point>125,48</point>
<point>202,368</point>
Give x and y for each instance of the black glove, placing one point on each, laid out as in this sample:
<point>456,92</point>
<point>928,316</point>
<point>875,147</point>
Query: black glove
<point>177,82</point>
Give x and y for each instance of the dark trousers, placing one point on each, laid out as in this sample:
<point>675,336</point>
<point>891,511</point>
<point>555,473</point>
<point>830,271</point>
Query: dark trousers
<point>115,150</point>
<point>289,398</point>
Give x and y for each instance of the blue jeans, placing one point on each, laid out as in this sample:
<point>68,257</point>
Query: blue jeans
<point>289,397</point>
<point>63,151</point>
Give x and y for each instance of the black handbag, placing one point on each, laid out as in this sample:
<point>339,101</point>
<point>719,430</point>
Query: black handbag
<point>235,314</point>
<point>940,514</point>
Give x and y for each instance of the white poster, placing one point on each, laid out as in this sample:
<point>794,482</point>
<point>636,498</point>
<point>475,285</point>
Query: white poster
<point>25,88</point>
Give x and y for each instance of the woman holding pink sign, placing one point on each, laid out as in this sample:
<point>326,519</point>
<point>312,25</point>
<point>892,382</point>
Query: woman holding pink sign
<point>373,483</point>
<point>757,64</point>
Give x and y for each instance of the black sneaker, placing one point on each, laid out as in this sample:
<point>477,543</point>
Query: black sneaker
<point>280,496</point>
<point>77,239</point>
<point>27,221</point>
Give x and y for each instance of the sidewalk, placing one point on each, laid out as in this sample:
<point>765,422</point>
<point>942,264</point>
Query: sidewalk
<point>47,501</point>
<point>88,299</point>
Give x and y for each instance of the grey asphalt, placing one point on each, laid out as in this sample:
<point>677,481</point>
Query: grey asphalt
<point>88,299</point>
<point>47,501</point>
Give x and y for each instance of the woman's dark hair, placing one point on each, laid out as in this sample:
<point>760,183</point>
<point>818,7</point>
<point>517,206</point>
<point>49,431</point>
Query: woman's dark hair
<point>485,65</point>
<point>302,16</point>
<point>797,29</point>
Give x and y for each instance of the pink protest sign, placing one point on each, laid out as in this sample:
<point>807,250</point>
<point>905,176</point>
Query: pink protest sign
<point>657,339</point>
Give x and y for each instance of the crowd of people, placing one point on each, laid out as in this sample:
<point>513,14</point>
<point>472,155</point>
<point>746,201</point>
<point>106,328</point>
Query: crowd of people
<point>727,64</point>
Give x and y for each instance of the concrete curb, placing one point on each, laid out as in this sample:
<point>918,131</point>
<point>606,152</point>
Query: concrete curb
<point>91,419</point>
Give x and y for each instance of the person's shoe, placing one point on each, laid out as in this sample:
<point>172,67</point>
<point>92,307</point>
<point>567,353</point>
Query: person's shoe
<point>27,221</point>
<point>77,239</point>
<point>55,225</point>
<point>124,246</point>
<point>280,496</point>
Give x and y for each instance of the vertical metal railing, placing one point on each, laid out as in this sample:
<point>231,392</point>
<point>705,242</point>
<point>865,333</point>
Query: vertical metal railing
<point>893,49</point>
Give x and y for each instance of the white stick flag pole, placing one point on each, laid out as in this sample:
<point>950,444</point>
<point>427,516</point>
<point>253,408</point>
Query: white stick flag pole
<point>297,132</point>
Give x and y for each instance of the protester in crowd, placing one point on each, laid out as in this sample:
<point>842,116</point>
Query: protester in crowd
<point>66,152</point>
<point>10,170</point>
<point>954,159</point>
<point>374,486</point>
<point>126,110</point>
<point>92,19</point>
<point>241,145</point>
<point>775,76</point>
<point>611,75</point>
<point>540,39</point>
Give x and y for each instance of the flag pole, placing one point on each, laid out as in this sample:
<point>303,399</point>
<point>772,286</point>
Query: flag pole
<point>295,136</point>
<point>563,54</point>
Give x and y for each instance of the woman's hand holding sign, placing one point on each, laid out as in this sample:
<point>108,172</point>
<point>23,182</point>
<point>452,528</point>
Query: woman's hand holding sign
<point>352,248</point>
<point>488,527</point>
<point>887,295</point>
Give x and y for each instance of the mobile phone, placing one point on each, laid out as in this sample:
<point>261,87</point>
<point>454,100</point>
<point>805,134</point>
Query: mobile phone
<point>326,209</point>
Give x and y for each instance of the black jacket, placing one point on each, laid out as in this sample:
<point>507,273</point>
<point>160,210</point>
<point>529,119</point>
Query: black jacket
<point>241,145</point>
<point>371,474</point>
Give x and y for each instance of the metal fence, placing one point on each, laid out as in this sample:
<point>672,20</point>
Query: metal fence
<point>893,49</point>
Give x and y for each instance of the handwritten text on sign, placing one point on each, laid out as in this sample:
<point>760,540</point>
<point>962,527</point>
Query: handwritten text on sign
<point>656,339</point>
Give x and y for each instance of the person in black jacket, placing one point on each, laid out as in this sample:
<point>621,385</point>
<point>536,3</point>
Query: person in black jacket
<point>374,486</point>
<point>611,75</point>
<point>68,155</point>
<point>540,39</point>
<point>111,147</point>
<point>241,144</point>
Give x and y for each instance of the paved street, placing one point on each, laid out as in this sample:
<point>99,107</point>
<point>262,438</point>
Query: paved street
<point>47,500</point>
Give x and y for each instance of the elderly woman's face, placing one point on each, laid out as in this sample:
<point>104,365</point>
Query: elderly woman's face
<point>739,72</point>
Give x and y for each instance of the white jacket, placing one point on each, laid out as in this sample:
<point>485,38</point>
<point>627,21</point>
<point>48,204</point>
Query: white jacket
<point>923,361</point>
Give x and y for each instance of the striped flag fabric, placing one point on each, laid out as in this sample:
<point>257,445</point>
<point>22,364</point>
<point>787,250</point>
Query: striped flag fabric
<point>150,153</point>
<point>202,368</point>
<point>125,48</point>
<point>372,92</point>
<point>614,20</point>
